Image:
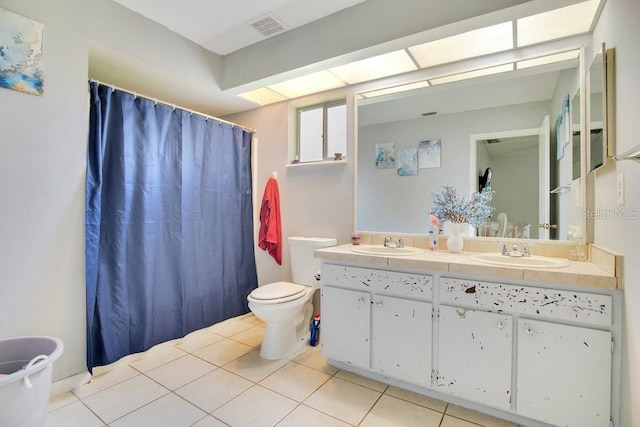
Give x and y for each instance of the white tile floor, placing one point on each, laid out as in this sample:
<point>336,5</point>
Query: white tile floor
<point>215,377</point>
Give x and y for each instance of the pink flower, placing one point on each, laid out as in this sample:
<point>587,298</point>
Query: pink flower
<point>434,221</point>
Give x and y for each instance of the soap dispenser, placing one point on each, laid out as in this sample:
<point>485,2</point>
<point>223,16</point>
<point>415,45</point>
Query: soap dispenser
<point>577,251</point>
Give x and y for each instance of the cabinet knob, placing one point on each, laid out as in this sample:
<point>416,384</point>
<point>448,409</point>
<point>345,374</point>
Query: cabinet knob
<point>529,330</point>
<point>378,304</point>
<point>361,300</point>
<point>500,325</point>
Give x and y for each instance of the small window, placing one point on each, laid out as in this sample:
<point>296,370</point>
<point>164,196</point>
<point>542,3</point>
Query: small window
<point>322,131</point>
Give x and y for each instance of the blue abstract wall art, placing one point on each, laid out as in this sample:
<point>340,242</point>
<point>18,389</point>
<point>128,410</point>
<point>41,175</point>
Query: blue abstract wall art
<point>408,162</point>
<point>385,155</point>
<point>429,154</point>
<point>20,53</point>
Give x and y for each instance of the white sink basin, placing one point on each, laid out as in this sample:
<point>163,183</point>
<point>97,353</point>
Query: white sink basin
<point>384,251</point>
<point>525,262</point>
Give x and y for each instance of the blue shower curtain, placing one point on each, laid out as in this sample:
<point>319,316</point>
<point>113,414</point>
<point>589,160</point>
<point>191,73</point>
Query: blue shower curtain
<point>169,223</point>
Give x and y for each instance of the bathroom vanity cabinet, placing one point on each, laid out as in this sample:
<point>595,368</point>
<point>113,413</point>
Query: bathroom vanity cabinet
<point>362,317</point>
<point>532,353</point>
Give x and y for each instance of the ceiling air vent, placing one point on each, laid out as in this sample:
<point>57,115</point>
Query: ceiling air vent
<point>268,25</point>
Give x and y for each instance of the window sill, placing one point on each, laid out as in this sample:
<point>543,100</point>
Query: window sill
<point>319,162</point>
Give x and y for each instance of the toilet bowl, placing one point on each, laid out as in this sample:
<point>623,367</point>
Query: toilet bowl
<point>286,307</point>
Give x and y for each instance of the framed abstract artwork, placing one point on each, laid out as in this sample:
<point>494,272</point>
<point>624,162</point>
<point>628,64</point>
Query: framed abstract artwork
<point>429,154</point>
<point>386,155</point>
<point>20,53</point>
<point>408,162</point>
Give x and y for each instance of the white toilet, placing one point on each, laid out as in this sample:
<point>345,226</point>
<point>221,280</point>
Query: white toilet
<point>286,307</point>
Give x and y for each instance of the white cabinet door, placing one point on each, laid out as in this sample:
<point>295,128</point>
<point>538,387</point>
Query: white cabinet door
<point>564,374</point>
<point>474,355</point>
<point>402,339</point>
<point>345,325</point>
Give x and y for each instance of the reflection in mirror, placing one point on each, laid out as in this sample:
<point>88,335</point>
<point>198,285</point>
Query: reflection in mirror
<point>576,135</point>
<point>450,113</point>
<point>515,199</point>
<point>597,112</point>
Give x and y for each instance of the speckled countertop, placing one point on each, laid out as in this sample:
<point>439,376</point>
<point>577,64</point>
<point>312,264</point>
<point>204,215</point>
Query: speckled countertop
<point>587,274</point>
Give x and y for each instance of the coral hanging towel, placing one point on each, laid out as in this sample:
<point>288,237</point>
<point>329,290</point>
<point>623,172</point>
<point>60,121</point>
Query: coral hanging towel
<point>270,235</point>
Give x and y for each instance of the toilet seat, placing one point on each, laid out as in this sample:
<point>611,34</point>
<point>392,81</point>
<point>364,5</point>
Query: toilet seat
<point>277,292</point>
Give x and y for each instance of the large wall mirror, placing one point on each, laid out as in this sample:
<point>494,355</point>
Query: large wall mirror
<point>452,133</point>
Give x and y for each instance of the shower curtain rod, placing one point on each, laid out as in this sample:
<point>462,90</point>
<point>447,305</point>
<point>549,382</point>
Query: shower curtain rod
<point>174,106</point>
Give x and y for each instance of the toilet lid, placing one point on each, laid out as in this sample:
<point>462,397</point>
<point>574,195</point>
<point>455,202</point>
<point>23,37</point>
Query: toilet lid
<point>278,292</point>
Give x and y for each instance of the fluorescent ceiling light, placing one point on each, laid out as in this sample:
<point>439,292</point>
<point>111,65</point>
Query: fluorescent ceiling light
<point>555,24</point>
<point>394,89</point>
<point>307,84</point>
<point>263,96</point>
<point>551,25</point>
<point>472,74</point>
<point>495,38</point>
<point>548,59</point>
<point>376,67</point>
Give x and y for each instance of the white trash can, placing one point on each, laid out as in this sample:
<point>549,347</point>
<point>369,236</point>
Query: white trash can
<point>26,368</point>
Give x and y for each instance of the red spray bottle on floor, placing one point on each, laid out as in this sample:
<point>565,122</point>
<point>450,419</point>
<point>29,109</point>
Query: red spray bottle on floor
<point>315,330</point>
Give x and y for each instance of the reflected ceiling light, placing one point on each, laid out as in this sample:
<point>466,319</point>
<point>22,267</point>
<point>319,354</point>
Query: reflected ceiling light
<point>263,96</point>
<point>472,74</point>
<point>555,24</point>
<point>548,59</point>
<point>394,89</point>
<point>376,67</point>
<point>307,84</point>
<point>482,41</point>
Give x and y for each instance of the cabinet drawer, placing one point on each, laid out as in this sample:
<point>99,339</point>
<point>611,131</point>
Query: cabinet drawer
<point>401,284</point>
<point>581,307</point>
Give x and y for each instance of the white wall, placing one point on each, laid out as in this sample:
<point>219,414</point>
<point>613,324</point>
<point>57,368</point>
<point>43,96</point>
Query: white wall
<point>402,204</point>
<point>315,200</point>
<point>42,166</point>
<point>618,27</point>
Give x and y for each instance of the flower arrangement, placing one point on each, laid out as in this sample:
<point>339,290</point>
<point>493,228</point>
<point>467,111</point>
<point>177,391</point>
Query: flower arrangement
<point>449,205</point>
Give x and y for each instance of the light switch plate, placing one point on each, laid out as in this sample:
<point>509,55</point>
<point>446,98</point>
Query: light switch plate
<point>620,189</point>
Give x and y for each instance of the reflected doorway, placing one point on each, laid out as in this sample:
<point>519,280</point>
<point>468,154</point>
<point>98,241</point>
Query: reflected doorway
<point>520,171</point>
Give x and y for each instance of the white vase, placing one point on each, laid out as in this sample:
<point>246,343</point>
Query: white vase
<point>455,242</point>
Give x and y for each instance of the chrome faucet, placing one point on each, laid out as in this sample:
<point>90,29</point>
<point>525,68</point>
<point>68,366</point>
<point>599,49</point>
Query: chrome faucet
<point>390,243</point>
<point>505,250</point>
<point>517,250</point>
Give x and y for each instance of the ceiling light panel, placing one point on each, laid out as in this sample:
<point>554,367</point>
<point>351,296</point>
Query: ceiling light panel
<point>263,96</point>
<point>548,59</point>
<point>376,67</point>
<point>394,89</point>
<point>558,23</point>
<point>307,84</point>
<point>472,74</point>
<point>495,38</point>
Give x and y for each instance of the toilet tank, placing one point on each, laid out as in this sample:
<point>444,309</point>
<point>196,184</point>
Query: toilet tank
<point>304,265</point>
